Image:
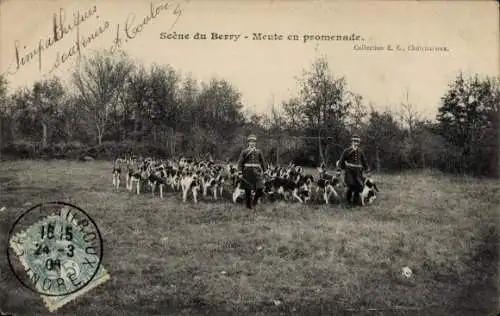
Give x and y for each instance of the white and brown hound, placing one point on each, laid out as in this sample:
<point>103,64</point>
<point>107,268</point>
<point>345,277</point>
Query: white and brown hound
<point>190,182</point>
<point>368,194</point>
<point>327,183</point>
<point>117,171</point>
<point>158,178</point>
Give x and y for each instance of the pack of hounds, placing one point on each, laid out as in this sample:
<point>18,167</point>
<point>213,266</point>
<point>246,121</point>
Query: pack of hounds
<point>205,177</point>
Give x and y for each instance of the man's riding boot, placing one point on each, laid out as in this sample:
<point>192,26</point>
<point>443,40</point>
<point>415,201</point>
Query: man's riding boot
<point>355,198</point>
<point>248,198</point>
<point>349,196</point>
<point>258,194</point>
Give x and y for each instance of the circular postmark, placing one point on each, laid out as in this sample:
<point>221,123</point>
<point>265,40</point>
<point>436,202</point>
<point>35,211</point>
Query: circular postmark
<point>55,248</point>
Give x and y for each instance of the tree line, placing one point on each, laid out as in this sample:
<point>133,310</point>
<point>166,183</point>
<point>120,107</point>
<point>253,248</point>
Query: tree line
<point>113,106</point>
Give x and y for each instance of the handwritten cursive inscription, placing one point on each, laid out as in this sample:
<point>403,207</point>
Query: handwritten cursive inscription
<point>64,24</point>
<point>133,28</point>
<point>61,28</point>
<point>24,55</point>
<point>80,43</point>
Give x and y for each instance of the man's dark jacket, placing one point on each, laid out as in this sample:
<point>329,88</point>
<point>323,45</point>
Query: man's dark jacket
<point>353,161</point>
<point>252,165</point>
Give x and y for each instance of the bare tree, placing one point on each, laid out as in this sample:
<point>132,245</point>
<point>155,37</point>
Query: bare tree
<point>46,97</point>
<point>409,115</point>
<point>276,123</point>
<point>322,97</point>
<point>99,81</point>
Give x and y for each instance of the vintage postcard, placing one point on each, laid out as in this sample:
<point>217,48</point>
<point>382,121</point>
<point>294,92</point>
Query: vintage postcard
<point>260,157</point>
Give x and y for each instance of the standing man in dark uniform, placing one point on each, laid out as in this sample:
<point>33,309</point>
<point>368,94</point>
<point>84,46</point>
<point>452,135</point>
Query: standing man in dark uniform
<point>251,166</point>
<point>353,162</point>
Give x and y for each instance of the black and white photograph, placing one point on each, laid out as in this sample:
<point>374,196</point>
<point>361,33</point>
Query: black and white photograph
<point>213,157</point>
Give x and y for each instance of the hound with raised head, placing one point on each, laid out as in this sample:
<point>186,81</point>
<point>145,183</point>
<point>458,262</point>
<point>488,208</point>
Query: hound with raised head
<point>117,171</point>
<point>209,181</point>
<point>190,182</point>
<point>327,183</point>
<point>304,187</point>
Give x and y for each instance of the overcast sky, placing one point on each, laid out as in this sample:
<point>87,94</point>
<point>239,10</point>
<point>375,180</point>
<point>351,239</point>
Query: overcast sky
<point>266,68</point>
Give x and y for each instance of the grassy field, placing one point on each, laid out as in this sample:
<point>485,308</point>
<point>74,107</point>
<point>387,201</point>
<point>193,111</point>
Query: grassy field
<point>170,258</point>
